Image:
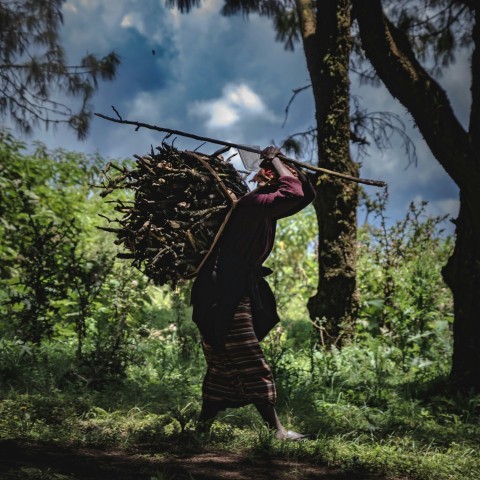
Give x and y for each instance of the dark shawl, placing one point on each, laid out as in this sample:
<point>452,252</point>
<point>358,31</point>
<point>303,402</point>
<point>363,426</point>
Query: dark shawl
<point>234,269</point>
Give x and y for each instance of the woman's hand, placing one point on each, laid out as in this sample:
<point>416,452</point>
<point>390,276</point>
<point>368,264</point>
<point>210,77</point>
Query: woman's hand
<point>272,162</point>
<point>269,153</point>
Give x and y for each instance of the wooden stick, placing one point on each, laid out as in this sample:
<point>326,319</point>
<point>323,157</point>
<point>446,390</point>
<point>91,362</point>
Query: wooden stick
<point>169,131</point>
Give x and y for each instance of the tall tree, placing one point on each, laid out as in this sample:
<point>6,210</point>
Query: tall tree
<point>324,30</point>
<point>33,69</point>
<point>396,49</point>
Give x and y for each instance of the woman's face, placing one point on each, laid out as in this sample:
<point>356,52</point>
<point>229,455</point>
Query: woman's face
<point>264,176</point>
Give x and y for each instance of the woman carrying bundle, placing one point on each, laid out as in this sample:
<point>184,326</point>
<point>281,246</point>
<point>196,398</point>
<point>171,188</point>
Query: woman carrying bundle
<point>233,305</point>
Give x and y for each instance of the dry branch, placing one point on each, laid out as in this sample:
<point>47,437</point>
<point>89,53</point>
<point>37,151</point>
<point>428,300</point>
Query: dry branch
<point>181,203</point>
<point>138,125</point>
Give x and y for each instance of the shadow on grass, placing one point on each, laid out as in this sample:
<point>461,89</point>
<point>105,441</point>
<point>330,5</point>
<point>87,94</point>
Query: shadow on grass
<point>21,460</point>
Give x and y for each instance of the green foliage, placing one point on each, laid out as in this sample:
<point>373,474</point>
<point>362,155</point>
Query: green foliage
<point>293,263</point>
<point>436,28</point>
<point>111,326</point>
<point>118,362</point>
<point>404,299</point>
<point>33,68</point>
<point>39,233</point>
<point>397,425</point>
<point>58,278</point>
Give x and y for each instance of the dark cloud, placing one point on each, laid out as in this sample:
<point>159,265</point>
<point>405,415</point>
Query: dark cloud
<point>201,61</point>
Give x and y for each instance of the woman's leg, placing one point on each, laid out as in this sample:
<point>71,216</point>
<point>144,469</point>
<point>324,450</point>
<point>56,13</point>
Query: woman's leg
<point>207,415</point>
<point>270,417</point>
<point>209,411</point>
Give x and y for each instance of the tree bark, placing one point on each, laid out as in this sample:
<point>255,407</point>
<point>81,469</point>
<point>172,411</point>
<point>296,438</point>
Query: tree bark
<point>462,275</point>
<point>325,29</point>
<point>392,56</point>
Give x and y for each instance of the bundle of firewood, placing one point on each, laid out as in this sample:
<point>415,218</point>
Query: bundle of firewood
<point>180,204</point>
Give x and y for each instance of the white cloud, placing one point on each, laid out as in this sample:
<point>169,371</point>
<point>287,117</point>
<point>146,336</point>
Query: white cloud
<point>145,106</point>
<point>133,20</point>
<point>456,81</point>
<point>220,114</point>
<point>70,7</point>
<point>447,206</point>
<point>244,98</point>
<point>127,21</point>
<point>236,102</point>
<point>228,74</point>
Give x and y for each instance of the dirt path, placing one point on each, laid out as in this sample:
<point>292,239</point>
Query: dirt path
<point>82,464</point>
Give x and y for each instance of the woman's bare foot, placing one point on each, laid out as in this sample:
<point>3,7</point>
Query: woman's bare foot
<point>289,435</point>
<point>270,416</point>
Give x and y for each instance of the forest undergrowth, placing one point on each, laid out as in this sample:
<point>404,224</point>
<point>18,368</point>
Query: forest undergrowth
<point>92,355</point>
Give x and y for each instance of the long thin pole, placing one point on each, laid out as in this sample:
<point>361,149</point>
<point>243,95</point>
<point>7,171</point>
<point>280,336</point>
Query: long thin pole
<point>138,125</point>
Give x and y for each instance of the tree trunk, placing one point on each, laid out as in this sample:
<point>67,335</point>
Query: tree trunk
<point>393,58</point>
<point>462,275</point>
<point>326,40</point>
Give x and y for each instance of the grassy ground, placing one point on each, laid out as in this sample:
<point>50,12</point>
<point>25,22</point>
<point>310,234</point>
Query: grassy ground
<point>366,417</point>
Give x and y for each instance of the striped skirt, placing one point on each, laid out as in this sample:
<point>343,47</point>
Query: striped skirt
<point>239,375</point>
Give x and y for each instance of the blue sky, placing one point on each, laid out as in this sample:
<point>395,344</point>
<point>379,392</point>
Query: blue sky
<point>227,78</point>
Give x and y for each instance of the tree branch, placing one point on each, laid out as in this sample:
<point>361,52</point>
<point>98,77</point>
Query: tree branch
<point>474,127</point>
<point>138,125</point>
<point>306,18</point>
<point>391,54</point>
<point>296,91</point>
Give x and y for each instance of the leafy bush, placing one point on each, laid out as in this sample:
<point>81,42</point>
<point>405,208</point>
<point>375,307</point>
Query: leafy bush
<point>404,300</point>
<point>92,354</point>
<point>58,277</point>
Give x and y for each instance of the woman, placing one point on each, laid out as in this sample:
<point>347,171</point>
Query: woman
<point>233,305</point>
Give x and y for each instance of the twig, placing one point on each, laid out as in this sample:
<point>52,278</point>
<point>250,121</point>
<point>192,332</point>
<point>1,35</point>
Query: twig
<point>292,98</point>
<point>138,125</point>
<point>116,111</point>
